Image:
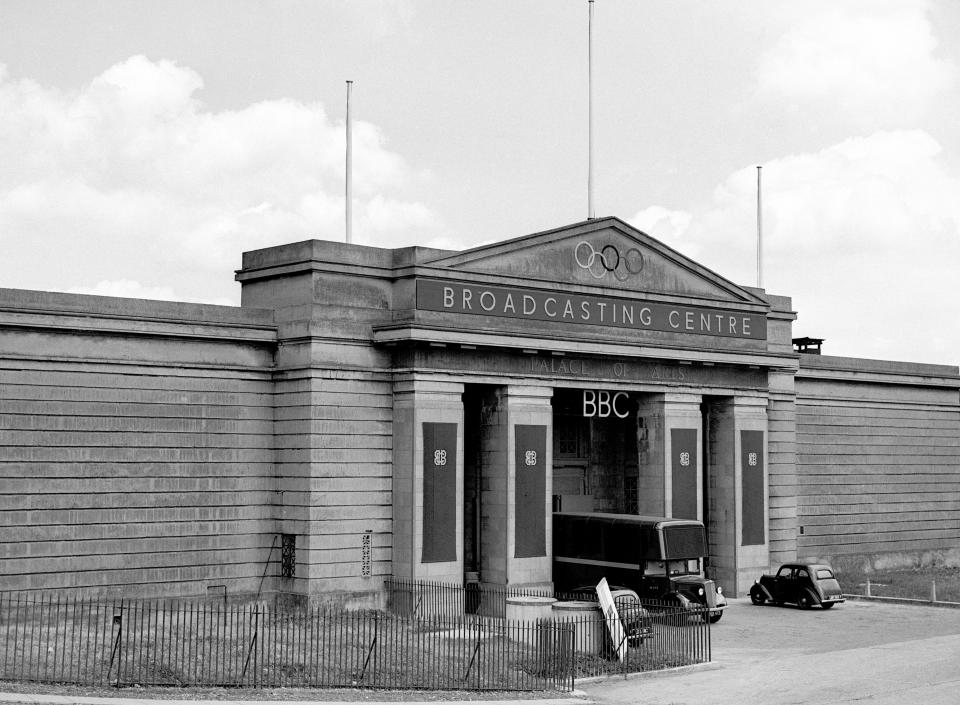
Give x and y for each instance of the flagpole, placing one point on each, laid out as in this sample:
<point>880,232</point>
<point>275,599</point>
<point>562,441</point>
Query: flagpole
<point>590,211</point>
<point>348,198</point>
<point>759,232</point>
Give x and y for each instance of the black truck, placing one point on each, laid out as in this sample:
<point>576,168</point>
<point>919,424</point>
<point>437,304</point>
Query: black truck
<point>658,557</point>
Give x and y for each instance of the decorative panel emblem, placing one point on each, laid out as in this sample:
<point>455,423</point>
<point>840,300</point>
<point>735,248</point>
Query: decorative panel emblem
<point>608,260</point>
<point>439,457</point>
<point>752,460</point>
<point>685,460</point>
<point>366,554</point>
<point>530,458</point>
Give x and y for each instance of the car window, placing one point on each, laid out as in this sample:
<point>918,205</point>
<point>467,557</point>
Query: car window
<point>824,574</point>
<point>802,573</point>
<point>784,572</point>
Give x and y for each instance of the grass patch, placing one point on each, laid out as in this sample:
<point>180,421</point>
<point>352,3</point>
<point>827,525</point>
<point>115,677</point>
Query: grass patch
<point>911,583</point>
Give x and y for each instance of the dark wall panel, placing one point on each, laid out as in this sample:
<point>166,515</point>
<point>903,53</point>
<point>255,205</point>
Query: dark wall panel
<point>683,443</point>
<point>530,536</point>
<point>439,492</point>
<point>751,459</point>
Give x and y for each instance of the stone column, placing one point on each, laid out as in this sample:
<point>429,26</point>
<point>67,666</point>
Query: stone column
<point>670,449</point>
<point>428,412</point>
<point>518,415</point>
<point>738,492</point>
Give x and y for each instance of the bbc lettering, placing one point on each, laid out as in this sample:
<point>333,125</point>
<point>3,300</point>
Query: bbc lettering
<point>602,404</point>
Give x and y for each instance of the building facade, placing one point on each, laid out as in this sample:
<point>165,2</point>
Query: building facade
<point>421,413</point>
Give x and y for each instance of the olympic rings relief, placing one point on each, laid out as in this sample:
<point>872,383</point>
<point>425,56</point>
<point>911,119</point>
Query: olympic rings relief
<point>608,259</point>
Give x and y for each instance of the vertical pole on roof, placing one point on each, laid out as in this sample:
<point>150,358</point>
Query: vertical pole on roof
<point>759,232</point>
<point>348,199</point>
<point>590,211</point>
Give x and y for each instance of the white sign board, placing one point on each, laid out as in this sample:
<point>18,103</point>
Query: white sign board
<point>612,618</point>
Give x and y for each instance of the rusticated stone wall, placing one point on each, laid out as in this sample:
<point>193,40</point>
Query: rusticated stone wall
<point>136,446</point>
<point>878,462</point>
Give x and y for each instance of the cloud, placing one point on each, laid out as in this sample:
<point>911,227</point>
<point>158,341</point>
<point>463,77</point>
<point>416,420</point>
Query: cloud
<point>670,225</point>
<point>873,62</point>
<point>133,175</point>
<point>864,235</point>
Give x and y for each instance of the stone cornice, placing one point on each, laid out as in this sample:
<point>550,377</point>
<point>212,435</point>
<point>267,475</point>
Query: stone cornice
<point>844,369</point>
<point>580,347</point>
<point>76,313</point>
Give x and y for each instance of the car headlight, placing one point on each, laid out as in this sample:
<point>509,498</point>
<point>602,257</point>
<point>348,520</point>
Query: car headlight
<point>719,590</point>
<point>700,591</point>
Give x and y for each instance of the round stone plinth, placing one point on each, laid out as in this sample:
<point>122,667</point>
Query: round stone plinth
<point>529,608</point>
<point>530,612</point>
<point>588,619</point>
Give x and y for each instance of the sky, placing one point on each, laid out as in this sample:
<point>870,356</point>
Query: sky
<point>144,145</point>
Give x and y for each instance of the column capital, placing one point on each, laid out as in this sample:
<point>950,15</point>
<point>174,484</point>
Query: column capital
<point>543,394</point>
<point>427,386</point>
<point>672,402</point>
<point>744,407</point>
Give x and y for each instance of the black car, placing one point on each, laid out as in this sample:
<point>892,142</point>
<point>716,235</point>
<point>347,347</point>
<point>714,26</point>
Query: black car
<point>801,584</point>
<point>633,615</point>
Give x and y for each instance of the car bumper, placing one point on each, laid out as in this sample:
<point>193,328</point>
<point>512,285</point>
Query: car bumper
<point>638,634</point>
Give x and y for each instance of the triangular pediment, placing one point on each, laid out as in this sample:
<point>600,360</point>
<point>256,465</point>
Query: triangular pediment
<point>605,252</point>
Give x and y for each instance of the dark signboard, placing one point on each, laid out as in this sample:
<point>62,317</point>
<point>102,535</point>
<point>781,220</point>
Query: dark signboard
<point>683,444</point>
<point>439,492</point>
<point>530,524</point>
<point>534,304</point>
<point>751,464</point>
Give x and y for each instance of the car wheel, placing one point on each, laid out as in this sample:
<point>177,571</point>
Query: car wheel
<point>757,597</point>
<point>827,605</point>
<point>803,602</point>
<point>634,634</point>
<point>675,610</point>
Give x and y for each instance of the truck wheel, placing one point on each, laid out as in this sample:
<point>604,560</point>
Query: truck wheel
<point>676,610</point>
<point>827,605</point>
<point>714,618</point>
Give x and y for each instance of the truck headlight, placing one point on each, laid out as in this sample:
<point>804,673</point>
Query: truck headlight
<point>719,590</point>
<point>700,591</point>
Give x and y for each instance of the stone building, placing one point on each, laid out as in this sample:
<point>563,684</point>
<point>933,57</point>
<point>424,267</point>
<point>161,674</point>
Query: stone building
<point>420,413</point>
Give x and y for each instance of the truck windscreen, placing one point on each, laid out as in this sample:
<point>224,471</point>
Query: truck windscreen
<point>684,541</point>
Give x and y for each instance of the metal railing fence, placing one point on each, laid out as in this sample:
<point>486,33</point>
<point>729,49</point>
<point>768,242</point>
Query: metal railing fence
<point>54,639</point>
<point>678,636</point>
<point>418,598</point>
<point>429,645</point>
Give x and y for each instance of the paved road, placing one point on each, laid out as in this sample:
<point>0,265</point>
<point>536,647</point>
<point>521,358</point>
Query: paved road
<point>858,652</point>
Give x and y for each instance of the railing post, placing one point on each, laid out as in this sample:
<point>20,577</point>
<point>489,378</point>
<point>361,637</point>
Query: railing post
<point>373,643</point>
<point>115,653</point>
